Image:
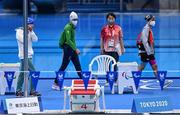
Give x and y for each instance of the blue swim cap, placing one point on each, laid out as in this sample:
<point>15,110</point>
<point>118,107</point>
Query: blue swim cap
<point>30,20</point>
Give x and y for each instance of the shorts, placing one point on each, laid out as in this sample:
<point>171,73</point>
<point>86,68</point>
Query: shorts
<point>148,58</point>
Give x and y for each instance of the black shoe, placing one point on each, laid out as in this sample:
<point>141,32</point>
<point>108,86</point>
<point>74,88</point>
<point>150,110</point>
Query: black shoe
<point>34,93</point>
<point>19,93</point>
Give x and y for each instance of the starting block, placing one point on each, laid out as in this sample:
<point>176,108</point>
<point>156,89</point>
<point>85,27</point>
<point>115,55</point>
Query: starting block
<point>82,100</point>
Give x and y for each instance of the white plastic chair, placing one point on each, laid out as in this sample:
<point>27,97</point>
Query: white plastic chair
<point>104,63</point>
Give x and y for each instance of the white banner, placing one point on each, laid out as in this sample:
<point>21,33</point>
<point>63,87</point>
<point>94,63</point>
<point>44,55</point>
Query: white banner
<point>22,105</point>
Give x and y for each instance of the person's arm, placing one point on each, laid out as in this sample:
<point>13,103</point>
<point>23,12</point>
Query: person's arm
<point>122,46</point>
<point>33,36</point>
<point>68,39</point>
<point>102,43</point>
<point>144,37</point>
<point>102,46</point>
<point>61,40</point>
<point>121,41</point>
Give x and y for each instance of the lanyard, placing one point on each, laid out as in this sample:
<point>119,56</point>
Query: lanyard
<point>111,32</point>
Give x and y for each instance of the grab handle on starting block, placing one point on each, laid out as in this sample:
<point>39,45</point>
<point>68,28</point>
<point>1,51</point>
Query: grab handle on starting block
<point>65,96</point>
<point>103,98</point>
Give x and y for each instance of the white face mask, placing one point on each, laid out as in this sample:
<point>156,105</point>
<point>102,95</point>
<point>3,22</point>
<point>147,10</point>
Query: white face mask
<point>74,22</point>
<point>111,21</point>
<point>152,23</point>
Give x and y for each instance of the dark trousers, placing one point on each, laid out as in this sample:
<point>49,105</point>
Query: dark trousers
<point>116,57</point>
<point>70,55</point>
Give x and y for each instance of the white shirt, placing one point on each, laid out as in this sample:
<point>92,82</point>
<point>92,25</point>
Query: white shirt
<point>31,37</point>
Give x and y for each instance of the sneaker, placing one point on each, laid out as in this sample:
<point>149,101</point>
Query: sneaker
<point>167,83</point>
<point>55,86</point>
<point>34,93</point>
<point>19,93</point>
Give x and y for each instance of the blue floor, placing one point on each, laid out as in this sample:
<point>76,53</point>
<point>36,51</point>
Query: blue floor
<point>53,100</point>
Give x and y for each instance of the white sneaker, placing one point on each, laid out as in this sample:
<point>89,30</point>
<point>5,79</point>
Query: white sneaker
<point>55,86</point>
<point>167,83</point>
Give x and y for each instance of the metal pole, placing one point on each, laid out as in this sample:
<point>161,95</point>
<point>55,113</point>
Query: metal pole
<point>25,48</point>
<point>103,98</point>
<point>121,5</point>
<point>65,93</point>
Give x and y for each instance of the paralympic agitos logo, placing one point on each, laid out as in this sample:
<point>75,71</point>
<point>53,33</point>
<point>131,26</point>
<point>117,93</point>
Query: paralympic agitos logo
<point>126,76</point>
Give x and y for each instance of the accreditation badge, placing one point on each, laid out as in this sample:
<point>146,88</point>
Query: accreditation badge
<point>111,43</point>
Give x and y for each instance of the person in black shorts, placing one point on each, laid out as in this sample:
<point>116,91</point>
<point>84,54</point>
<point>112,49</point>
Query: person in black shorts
<point>145,44</point>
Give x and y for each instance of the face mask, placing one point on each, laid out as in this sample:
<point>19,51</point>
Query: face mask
<point>152,23</point>
<point>111,21</point>
<point>74,22</point>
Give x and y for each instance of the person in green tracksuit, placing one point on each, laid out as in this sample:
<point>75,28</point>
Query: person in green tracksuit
<point>70,51</point>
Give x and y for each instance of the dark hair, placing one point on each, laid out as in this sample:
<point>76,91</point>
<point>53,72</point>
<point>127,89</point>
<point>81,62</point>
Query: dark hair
<point>110,14</point>
<point>149,17</point>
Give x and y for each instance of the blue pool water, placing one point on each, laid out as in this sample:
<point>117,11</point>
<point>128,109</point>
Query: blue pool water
<point>49,27</point>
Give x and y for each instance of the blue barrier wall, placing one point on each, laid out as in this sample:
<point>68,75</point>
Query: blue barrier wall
<point>48,28</point>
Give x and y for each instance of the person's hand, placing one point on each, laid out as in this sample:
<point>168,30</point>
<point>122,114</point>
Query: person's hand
<point>30,28</point>
<point>123,50</point>
<point>77,51</point>
<point>102,52</point>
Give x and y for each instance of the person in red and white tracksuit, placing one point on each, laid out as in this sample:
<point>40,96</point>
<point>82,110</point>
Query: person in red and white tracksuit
<point>146,47</point>
<point>112,39</point>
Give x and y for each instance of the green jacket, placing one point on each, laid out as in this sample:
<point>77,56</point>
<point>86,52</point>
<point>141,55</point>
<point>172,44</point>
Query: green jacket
<point>68,37</point>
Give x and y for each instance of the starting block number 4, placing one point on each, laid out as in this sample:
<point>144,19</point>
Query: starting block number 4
<point>85,107</point>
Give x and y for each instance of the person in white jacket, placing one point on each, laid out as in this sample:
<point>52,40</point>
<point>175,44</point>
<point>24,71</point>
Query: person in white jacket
<point>31,38</point>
